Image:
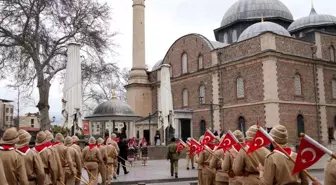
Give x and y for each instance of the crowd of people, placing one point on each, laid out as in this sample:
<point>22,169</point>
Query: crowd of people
<point>235,166</point>
<point>60,160</point>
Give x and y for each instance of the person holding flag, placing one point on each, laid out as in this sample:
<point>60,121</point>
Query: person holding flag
<point>229,158</point>
<point>200,167</point>
<point>222,177</point>
<point>190,158</point>
<point>247,164</point>
<point>278,167</point>
<point>208,174</point>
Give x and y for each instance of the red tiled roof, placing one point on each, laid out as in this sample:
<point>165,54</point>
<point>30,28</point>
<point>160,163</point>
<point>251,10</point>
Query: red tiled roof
<point>30,129</point>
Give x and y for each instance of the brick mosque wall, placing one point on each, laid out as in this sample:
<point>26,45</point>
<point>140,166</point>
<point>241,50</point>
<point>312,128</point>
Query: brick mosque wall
<point>293,46</point>
<point>326,41</point>
<point>329,75</point>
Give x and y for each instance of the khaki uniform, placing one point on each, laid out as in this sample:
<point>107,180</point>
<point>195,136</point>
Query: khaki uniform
<point>227,167</point>
<point>58,170</point>
<point>112,162</point>
<point>244,165</point>
<point>115,144</point>
<point>222,177</point>
<point>174,157</point>
<point>14,166</point>
<point>102,168</point>
<point>189,158</point>
<point>92,159</point>
<point>49,166</point>
<point>330,173</point>
<point>208,174</point>
<point>2,174</point>
<point>278,171</point>
<point>79,150</point>
<point>34,167</point>
<point>66,161</point>
<point>77,166</point>
<point>199,169</point>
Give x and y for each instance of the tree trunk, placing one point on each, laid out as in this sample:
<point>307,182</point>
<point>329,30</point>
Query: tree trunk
<point>43,104</point>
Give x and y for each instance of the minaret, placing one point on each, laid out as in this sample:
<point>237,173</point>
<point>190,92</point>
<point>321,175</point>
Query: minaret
<point>139,94</point>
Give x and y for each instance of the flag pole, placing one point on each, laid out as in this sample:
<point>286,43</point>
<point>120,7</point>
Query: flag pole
<point>327,151</point>
<point>212,153</point>
<point>284,152</point>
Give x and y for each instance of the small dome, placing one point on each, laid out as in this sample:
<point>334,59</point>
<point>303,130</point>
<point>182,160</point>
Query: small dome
<point>312,20</point>
<point>255,9</point>
<point>157,65</point>
<point>113,107</point>
<point>258,28</point>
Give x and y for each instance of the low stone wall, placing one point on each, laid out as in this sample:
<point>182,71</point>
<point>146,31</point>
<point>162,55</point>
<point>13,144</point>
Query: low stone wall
<point>160,152</point>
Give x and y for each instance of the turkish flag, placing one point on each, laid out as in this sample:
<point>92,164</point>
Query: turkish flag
<point>208,137</point>
<point>117,139</point>
<point>259,140</point>
<point>196,146</point>
<point>227,141</point>
<point>308,154</point>
<point>180,145</point>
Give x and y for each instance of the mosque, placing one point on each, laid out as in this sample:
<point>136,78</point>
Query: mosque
<point>263,67</point>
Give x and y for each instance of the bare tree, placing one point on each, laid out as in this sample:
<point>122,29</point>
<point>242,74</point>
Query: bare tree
<point>100,88</point>
<point>34,35</point>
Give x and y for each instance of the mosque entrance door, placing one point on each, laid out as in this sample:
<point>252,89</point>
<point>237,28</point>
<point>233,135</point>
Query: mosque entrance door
<point>185,129</point>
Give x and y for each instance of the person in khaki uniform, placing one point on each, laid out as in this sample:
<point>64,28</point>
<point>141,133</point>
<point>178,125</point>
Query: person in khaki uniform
<point>221,177</point>
<point>92,158</point>
<point>76,162</point>
<point>278,168</point>
<point>74,145</point>
<point>208,174</point>
<point>57,168</point>
<point>173,156</point>
<point>2,174</point>
<point>114,143</point>
<point>229,158</point>
<point>102,168</point>
<point>13,163</point>
<point>247,165</point>
<point>112,160</point>
<point>46,155</point>
<point>65,158</point>
<point>200,167</point>
<point>329,173</point>
<point>190,158</point>
<point>33,163</point>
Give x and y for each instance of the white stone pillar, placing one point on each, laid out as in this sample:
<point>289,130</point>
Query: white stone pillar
<point>322,108</point>
<point>177,128</point>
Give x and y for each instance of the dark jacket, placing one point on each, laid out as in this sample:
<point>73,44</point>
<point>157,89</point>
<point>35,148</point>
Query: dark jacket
<point>123,149</point>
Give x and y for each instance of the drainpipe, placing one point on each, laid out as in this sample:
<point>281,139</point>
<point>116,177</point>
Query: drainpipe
<point>317,104</point>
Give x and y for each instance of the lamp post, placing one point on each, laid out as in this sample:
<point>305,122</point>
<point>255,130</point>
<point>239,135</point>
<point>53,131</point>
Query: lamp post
<point>149,125</point>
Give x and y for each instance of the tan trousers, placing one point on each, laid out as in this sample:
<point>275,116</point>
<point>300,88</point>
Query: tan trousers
<point>251,180</point>
<point>190,158</point>
<point>208,177</point>
<point>222,183</point>
<point>236,181</point>
<point>93,180</point>
<point>102,172</point>
<point>110,172</point>
<point>69,178</point>
<point>47,180</point>
<point>32,183</point>
<point>200,180</point>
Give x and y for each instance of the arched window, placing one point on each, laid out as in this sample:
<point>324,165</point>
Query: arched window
<point>225,38</point>
<point>297,84</point>
<point>234,36</point>
<point>300,125</point>
<point>185,97</point>
<point>200,62</point>
<point>240,87</point>
<point>332,53</point>
<point>184,63</point>
<point>202,127</point>
<point>241,124</point>
<point>333,85</point>
<point>202,94</point>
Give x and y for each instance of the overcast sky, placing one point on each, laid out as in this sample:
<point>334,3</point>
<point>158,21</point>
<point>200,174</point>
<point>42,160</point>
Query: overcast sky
<point>166,21</point>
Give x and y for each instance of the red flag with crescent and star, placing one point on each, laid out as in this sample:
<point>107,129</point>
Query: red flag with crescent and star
<point>309,153</point>
<point>227,141</point>
<point>260,139</point>
<point>196,146</point>
<point>208,137</point>
<point>180,145</point>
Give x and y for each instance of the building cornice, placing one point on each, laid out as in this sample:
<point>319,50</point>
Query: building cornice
<point>278,102</point>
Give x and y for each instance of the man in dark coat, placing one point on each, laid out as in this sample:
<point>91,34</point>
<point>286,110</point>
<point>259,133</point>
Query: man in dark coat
<point>122,155</point>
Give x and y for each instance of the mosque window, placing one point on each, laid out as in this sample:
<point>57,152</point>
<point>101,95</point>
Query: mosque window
<point>185,97</point>
<point>200,62</point>
<point>225,40</point>
<point>184,63</point>
<point>234,36</point>
<point>202,94</point>
<point>297,84</point>
<point>332,53</point>
<point>202,127</point>
<point>333,84</point>
<point>242,125</point>
<point>240,87</point>
<point>300,125</point>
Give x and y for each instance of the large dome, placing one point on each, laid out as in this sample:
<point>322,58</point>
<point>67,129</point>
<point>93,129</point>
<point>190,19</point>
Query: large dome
<point>312,20</point>
<point>113,107</point>
<point>255,9</point>
<point>258,28</point>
